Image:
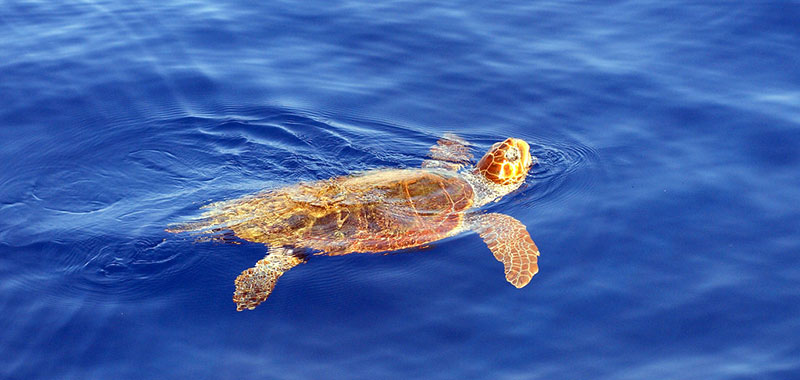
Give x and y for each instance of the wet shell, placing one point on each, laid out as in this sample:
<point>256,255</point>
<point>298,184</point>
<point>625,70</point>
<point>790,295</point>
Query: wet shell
<point>375,211</point>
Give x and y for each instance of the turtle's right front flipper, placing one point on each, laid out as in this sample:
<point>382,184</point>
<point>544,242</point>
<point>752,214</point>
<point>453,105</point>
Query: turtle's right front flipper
<point>509,241</point>
<point>255,284</point>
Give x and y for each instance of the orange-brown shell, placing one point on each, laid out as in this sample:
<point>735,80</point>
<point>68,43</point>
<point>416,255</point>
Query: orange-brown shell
<point>375,211</point>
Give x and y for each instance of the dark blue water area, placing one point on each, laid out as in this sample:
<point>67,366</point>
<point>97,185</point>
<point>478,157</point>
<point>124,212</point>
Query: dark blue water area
<point>665,201</point>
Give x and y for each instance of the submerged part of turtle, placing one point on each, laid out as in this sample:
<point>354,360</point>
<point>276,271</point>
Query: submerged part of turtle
<point>378,211</point>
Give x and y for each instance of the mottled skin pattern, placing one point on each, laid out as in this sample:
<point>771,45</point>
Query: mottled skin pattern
<point>450,152</point>
<point>499,165</point>
<point>254,285</point>
<point>510,243</point>
<point>378,211</point>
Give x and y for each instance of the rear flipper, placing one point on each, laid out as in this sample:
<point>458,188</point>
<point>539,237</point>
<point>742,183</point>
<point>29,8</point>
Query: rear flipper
<point>511,244</point>
<point>255,284</point>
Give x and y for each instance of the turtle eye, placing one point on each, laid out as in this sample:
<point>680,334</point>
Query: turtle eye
<point>512,154</point>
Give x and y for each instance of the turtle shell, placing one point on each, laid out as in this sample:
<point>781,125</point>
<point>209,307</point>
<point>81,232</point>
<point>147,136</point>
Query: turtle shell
<point>375,211</point>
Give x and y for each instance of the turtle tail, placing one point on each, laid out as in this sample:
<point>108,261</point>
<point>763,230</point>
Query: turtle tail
<point>255,284</point>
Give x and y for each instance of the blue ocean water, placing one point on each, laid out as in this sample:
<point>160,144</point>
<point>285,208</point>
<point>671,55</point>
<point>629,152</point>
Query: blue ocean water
<point>665,202</point>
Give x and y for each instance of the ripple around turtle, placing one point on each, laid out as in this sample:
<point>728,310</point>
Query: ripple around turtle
<point>101,270</point>
<point>121,251</point>
<point>247,149</point>
<point>558,163</point>
<point>563,169</point>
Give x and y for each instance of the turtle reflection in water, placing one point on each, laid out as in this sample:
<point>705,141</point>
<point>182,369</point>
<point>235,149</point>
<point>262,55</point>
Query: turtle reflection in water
<point>380,210</point>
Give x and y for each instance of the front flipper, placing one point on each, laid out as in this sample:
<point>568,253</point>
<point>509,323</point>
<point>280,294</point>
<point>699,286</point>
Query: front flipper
<point>255,284</point>
<point>450,152</point>
<point>511,244</point>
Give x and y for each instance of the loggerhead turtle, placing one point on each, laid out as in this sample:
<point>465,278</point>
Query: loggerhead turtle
<point>380,210</point>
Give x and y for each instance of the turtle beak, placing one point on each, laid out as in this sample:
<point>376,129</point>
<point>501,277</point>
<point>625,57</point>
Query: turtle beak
<point>526,160</point>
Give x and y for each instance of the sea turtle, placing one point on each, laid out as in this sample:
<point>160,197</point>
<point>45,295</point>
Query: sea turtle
<point>380,210</point>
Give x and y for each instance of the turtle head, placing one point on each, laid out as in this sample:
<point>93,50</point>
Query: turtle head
<point>507,162</point>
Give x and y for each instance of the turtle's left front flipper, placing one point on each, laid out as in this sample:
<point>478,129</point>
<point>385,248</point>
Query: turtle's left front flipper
<point>511,244</point>
<point>450,152</point>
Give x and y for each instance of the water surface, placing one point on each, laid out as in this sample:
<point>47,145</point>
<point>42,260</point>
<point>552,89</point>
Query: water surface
<point>664,202</point>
